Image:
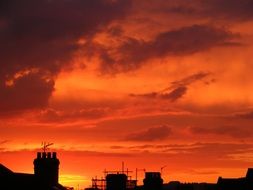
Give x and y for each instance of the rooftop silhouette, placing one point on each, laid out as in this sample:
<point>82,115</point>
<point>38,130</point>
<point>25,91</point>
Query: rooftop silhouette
<point>45,177</point>
<point>154,181</point>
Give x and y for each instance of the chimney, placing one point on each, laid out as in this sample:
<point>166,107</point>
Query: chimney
<point>54,155</point>
<point>39,155</point>
<point>44,155</point>
<point>46,170</point>
<point>49,155</point>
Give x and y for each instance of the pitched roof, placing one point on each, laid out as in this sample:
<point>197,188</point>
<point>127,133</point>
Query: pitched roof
<point>4,170</point>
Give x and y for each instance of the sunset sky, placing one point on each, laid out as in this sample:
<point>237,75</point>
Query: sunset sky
<point>147,82</point>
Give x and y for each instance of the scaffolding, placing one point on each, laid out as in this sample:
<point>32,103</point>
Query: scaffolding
<point>100,183</point>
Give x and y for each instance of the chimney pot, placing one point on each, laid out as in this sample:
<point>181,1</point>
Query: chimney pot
<point>54,155</point>
<point>49,155</point>
<point>38,155</point>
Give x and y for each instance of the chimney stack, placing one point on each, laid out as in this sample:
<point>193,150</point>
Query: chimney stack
<point>46,168</point>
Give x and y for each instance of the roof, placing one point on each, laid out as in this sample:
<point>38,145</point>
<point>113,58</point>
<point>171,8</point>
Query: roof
<point>4,170</point>
<point>231,183</point>
<point>14,180</point>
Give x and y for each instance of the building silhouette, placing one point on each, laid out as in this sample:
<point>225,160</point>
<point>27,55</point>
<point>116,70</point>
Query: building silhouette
<point>176,185</point>
<point>46,168</point>
<point>152,181</point>
<point>243,183</point>
<point>116,182</point>
<point>45,177</point>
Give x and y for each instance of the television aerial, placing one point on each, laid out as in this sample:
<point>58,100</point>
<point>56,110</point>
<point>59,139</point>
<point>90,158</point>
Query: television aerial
<point>45,145</point>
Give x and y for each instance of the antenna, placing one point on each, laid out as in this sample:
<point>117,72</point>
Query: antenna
<point>45,146</point>
<point>123,167</point>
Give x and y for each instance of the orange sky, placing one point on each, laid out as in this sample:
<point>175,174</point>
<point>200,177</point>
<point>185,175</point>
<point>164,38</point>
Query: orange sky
<point>147,82</point>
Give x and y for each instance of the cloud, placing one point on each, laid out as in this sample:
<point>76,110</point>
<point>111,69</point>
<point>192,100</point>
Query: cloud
<point>52,115</point>
<point>38,39</point>
<point>237,10</point>
<point>2,145</point>
<point>96,153</point>
<point>216,151</point>
<point>28,92</point>
<point>232,10</point>
<point>175,94</point>
<point>4,142</point>
<point>232,131</point>
<point>116,147</point>
<point>246,115</point>
<point>151,134</point>
<point>132,53</point>
<point>189,79</point>
<point>176,90</point>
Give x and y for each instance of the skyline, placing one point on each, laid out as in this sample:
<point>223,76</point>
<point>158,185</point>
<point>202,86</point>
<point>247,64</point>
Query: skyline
<point>46,176</point>
<point>147,82</point>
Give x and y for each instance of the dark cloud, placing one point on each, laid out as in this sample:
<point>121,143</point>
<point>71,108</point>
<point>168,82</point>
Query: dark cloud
<point>229,10</point>
<point>151,134</point>
<point>226,148</point>
<point>179,88</point>
<point>189,80</point>
<point>175,94</point>
<point>85,153</point>
<point>2,145</point>
<point>247,115</point>
<point>182,9</point>
<point>172,96</point>
<point>115,31</point>
<point>132,53</point>
<point>217,152</point>
<point>43,32</point>
<point>176,90</point>
<point>42,35</point>
<point>232,131</point>
<point>214,150</point>
<point>146,95</point>
<point>224,9</point>
<point>28,92</point>
<point>52,115</point>
<point>4,142</point>
<point>117,147</point>
<point>209,172</point>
